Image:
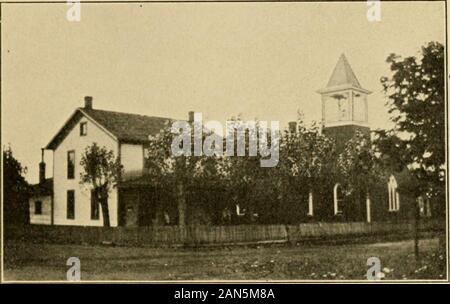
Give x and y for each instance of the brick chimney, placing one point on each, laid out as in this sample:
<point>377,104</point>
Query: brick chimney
<point>292,126</point>
<point>42,168</point>
<point>88,102</point>
<point>191,117</point>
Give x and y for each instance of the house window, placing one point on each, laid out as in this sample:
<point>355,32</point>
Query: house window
<point>83,129</point>
<point>394,198</point>
<point>71,164</point>
<point>70,204</point>
<point>337,199</point>
<point>37,207</point>
<point>95,214</point>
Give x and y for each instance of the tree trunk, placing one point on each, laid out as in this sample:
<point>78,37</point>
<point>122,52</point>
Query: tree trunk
<point>181,198</point>
<point>103,198</point>
<point>416,229</point>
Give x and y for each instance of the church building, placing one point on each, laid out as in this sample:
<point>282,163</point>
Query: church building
<point>345,112</point>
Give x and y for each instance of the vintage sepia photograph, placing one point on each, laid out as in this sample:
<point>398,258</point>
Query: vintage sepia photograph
<point>222,141</point>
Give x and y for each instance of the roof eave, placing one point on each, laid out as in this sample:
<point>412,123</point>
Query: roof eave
<point>52,145</point>
<point>341,88</point>
<point>133,141</point>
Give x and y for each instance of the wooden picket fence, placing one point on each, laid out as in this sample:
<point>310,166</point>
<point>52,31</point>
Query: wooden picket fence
<point>209,235</point>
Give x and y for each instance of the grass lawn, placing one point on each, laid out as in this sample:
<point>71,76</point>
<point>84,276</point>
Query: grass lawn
<point>270,262</point>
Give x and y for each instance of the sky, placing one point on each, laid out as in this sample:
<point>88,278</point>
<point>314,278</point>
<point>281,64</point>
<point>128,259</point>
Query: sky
<point>257,60</point>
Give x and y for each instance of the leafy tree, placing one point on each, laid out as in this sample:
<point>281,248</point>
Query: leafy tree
<point>15,190</point>
<point>360,170</point>
<point>239,180</point>
<point>417,141</point>
<point>416,103</point>
<point>307,162</point>
<point>102,170</point>
<point>181,172</point>
<point>249,183</point>
<point>358,166</point>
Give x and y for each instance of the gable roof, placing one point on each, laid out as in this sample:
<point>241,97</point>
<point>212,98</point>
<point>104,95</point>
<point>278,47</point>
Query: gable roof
<point>128,127</point>
<point>123,127</point>
<point>343,74</point>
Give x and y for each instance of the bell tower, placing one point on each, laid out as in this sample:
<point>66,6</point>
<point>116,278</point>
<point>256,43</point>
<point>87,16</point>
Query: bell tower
<point>344,104</point>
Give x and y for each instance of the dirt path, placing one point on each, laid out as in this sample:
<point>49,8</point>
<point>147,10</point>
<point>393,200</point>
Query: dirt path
<point>276,262</point>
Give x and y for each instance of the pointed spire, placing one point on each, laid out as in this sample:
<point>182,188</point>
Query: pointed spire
<point>343,74</point>
<point>343,78</point>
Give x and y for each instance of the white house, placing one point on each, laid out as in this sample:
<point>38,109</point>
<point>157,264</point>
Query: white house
<point>125,134</point>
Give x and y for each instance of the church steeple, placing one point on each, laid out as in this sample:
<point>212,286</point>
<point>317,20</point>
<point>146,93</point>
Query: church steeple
<point>343,74</point>
<point>344,104</point>
<point>343,78</point>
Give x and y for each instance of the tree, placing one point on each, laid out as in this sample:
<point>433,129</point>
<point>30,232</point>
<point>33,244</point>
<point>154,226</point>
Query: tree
<point>102,171</point>
<point>416,103</point>
<point>359,170</point>
<point>307,164</point>
<point>15,190</point>
<point>180,172</point>
<point>358,166</point>
<point>251,187</point>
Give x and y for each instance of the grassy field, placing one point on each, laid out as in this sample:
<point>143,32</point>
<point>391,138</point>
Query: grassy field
<point>275,262</point>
